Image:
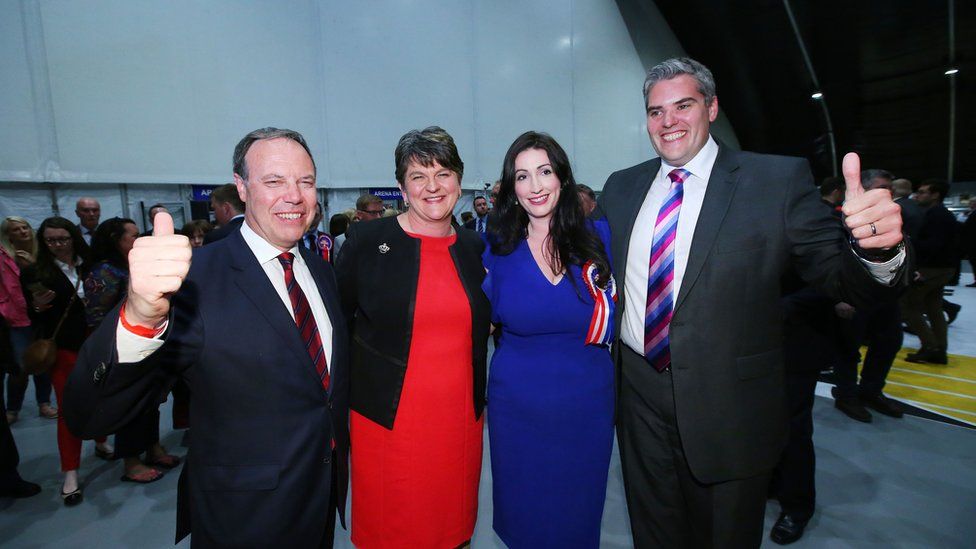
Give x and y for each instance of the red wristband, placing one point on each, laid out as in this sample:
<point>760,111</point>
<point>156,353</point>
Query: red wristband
<point>137,330</point>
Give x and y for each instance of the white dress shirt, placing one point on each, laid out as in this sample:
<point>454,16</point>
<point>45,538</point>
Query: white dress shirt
<point>133,348</point>
<point>71,271</point>
<point>639,248</point>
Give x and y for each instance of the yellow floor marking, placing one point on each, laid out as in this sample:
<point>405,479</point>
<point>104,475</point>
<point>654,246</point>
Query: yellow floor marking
<point>930,374</point>
<point>928,397</point>
<point>948,390</point>
<point>950,393</point>
<point>933,383</point>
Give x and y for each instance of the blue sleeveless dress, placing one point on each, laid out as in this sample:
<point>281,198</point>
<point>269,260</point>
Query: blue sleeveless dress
<point>550,406</point>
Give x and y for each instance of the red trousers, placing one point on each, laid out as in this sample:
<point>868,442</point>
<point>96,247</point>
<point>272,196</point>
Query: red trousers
<point>68,445</point>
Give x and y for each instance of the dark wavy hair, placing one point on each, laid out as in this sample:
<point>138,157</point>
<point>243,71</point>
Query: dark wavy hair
<point>105,242</point>
<point>571,241</point>
<point>47,269</point>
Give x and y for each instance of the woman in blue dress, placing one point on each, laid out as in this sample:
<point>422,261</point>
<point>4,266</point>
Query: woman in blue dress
<point>550,386</point>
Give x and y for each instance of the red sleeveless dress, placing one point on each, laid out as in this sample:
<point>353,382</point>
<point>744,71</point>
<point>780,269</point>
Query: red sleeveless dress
<point>417,484</point>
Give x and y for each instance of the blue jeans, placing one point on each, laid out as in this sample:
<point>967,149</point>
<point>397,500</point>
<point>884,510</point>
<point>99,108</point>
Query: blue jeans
<point>20,338</point>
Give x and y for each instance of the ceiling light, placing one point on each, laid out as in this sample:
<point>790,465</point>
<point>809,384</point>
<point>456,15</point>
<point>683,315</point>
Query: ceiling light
<point>817,95</point>
<point>951,71</point>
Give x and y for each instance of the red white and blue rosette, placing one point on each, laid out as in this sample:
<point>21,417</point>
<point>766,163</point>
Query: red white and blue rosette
<point>324,245</point>
<point>601,331</point>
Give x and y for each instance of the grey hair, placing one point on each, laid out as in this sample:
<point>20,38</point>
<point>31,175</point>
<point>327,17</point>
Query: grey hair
<point>244,145</point>
<point>675,67</point>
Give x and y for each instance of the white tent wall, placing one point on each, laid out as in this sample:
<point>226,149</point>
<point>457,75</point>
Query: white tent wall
<point>37,201</point>
<point>118,92</point>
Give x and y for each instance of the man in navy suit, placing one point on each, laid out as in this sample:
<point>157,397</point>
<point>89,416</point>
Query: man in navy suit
<point>254,326</point>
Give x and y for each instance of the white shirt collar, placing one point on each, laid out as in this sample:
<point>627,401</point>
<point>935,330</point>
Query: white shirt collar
<point>701,165</point>
<point>262,249</point>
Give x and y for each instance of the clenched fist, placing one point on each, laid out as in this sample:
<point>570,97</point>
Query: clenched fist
<point>872,216</point>
<point>157,266</point>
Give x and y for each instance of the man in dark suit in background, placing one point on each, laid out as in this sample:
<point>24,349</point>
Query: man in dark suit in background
<point>701,239</point>
<point>911,212</point>
<point>256,328</point>
<point>228,212</point>
<point>480,221</point>
<point>937,247</point>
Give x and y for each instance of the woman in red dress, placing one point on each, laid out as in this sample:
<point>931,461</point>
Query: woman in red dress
<point>411,286</point>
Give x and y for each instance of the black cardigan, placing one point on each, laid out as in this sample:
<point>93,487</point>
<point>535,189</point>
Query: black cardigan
<point>74,330</point>
<point>377,269</point>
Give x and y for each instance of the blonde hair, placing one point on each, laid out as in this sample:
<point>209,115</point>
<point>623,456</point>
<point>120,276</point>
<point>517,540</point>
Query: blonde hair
<point>5,239</point>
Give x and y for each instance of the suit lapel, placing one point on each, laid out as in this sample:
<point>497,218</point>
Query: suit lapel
<point>718,197</point>
<point>634,201</point>
<point>253,283</point>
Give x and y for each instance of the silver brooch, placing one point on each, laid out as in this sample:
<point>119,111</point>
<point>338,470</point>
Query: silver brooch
<point>383,248</point>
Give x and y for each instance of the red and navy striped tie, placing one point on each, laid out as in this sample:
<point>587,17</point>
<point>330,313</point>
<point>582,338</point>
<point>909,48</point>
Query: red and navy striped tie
<point>304,320</point>
<point>660,280</point>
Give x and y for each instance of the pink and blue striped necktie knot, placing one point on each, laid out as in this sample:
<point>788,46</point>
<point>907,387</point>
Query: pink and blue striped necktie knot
<point>660,279</point>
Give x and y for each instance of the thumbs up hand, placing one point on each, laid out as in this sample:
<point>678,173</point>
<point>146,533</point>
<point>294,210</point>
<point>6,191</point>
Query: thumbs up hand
<point>157,266</point>
<point>872,216</point>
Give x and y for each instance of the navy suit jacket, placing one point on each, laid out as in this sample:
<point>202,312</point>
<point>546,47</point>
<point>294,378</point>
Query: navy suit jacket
<point>223,232</point>
<point>259,469</point>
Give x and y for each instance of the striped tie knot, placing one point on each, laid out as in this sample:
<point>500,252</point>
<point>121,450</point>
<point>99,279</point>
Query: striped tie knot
<point>286,259</point>
<point>678,176</point>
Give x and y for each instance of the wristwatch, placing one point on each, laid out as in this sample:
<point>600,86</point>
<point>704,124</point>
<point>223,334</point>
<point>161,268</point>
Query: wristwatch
<point>878,256</point>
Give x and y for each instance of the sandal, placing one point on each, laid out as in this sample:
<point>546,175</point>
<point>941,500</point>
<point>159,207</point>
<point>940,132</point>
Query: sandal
<point>48,411</point>
<point>145,477</point>
<point>166,461</point>
<point>105,454</point>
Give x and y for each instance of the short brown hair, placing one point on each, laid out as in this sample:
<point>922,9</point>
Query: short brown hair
<point>426,146</point>
<point>227,194</point>
<point>365,200</point>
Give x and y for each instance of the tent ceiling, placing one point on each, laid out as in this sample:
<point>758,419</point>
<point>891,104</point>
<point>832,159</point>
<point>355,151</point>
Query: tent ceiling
<point>880,64</point>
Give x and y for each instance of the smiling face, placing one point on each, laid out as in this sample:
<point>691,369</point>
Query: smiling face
<point>536,185</point>
<point>678,119</point>
<point>431,191</point>
<point>279,191</point>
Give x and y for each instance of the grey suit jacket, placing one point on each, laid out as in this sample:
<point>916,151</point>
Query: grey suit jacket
<point>761,214</point>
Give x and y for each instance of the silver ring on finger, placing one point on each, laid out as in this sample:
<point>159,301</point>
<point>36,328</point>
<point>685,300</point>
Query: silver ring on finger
<point>874,229</point>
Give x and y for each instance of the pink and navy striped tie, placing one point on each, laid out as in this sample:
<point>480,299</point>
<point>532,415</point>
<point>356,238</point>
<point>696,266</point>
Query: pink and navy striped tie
<point>660,280</point>
<point>304,319</point>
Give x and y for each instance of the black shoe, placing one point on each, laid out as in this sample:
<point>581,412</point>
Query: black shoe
<point>971,285</point>
<point>927,356</point>
<point>951,310</point>
<point>853,408</point>
<point>883,405</point>
<point>788,528</point>
<point>20,489</point>
<point>72,498</point>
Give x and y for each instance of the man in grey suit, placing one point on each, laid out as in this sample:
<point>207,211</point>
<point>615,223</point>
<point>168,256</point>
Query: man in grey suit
<point>701,239</point>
